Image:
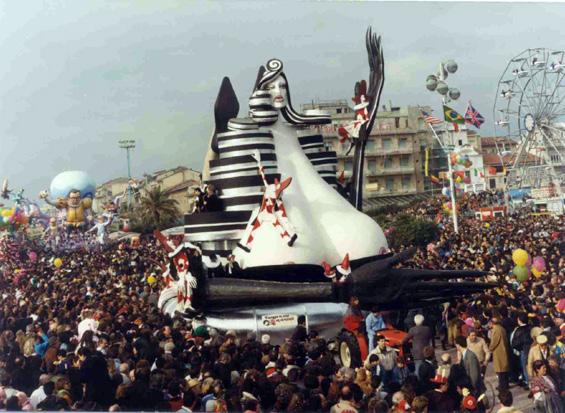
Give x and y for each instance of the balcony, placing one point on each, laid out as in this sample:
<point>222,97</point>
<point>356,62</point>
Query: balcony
<point>399,170</point>
<point>390,151</point>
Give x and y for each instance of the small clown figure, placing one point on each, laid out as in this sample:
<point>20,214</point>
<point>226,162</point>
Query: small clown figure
<point>186,282</point>
<point>272,212</point>
<point>351,130</point>
<point>343,270</point>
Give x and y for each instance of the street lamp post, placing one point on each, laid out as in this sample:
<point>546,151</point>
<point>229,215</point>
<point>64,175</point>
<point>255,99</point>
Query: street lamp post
<point>436,82</point>
<point>128,144</point>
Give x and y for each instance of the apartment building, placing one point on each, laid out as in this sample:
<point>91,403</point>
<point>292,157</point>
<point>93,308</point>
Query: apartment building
<point>395,151</point>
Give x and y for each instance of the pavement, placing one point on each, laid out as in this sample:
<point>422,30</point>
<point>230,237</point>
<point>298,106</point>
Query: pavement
<point>521,400</point>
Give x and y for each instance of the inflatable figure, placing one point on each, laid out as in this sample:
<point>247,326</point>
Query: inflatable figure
<point>75,206</point>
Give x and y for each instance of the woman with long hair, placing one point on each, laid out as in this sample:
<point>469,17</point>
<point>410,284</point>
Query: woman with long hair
<point>327,225</point>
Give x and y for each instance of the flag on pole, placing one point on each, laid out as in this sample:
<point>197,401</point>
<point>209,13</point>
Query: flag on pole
<point>452,116</point>
<point>473,117</point>
<point>429,119</point>
<point>427,161</point>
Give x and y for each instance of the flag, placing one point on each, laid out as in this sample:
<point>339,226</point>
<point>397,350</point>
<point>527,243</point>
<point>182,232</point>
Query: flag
<point>427,162</point>
<point>452,116</point>
<point>473,117</point>
<point>429,119</point>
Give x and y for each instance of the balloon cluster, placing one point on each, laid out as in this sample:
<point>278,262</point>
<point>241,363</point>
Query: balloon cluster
<point>462,160</point>
<point>524,265</point>
<point>14,217</point>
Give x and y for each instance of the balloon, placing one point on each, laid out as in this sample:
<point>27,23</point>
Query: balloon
<point>57,262</point>
<point>445,191</point>
<point>520,272</point>
<point>520,257</point>
<point>487,225</point>
<point>151,280</point>
<point>536,273</point>
<point>539,264</point>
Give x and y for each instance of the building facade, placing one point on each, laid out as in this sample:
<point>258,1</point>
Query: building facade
<point>175,183</point>
<point>395,154</point>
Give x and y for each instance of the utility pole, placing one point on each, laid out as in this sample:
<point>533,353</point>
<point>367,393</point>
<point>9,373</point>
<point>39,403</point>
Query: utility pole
<point>128,144</point>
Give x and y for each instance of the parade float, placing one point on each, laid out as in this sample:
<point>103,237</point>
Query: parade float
<point>288,241</point>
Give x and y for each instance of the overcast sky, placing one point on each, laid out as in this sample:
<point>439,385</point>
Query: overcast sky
<point>77,76</point>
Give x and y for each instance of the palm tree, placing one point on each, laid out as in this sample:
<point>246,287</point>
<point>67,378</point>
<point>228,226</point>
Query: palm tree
<point>156,211</point>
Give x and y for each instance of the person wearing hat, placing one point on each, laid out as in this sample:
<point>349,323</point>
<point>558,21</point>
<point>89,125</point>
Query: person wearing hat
<point>539,351</point>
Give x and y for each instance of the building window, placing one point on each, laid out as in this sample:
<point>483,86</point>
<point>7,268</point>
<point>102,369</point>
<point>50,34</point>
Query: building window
<point>460,142</point>
<point>370,147</point>
<point>372,165</point>
<point>405,160</point>
<point>397,122</point>
<point>338,110</point>
<point>388,163</point>
<point>402,143</point>
<point>390,184</point>
<point>492,183</point>
<point>386,144</point>
<point>348,166</point>
<point>406,182</point>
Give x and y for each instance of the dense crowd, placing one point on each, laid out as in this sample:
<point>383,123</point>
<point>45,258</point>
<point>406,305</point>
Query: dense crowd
<point>88,335</point>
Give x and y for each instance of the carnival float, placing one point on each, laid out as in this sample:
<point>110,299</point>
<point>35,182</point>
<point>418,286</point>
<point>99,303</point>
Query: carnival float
<point>291,243</point>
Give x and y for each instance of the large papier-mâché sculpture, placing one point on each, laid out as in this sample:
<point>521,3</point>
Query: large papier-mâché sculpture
<point>283,219</point>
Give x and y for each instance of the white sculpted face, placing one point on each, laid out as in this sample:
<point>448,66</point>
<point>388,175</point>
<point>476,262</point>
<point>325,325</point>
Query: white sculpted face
<point>278,91</point>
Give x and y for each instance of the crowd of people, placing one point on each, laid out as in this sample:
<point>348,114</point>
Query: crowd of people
<point>87,335</point>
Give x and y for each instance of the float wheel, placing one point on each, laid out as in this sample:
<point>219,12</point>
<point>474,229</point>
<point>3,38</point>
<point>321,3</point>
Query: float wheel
<point>349,351</point>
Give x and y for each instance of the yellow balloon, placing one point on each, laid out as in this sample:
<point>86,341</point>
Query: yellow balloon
<point>487,225</point>
<point>151,280</point>
<point>536,273</point>
<point>520,257</point>
<point>57,262</point>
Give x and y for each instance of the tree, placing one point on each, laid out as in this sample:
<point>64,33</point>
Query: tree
<point>155,211</point>
<point>411,230</point>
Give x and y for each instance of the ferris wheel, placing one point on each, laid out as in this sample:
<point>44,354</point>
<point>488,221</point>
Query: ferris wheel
<point>530,110</point>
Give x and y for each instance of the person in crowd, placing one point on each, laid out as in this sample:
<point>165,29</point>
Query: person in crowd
<point>538,352</point>
<point>387,360</point>
<point>421,337</point>
<point>506,402</point>
<point>478,346</point>
<point>374,322</point>
<point>545,391</point>
<point>471,364</point>
<point>521,343</point>
<point>500,352</point>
